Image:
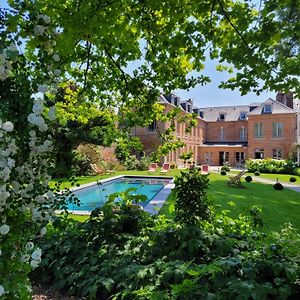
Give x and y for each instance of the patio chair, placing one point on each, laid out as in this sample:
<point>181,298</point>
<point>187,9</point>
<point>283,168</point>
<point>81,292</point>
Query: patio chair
<point>235,181</point>
<point>204,170</point>
<point>165,168</point>
<point>181,167</point>
<point>152,168</point>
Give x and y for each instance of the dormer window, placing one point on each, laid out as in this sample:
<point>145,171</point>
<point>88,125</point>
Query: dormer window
<point>243,115</point>
<point>175,101</point>
<point>267,109</point>
<point>222,117</point>
<point>201,113</point>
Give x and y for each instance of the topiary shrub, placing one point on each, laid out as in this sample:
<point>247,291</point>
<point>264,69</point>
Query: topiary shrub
<point>225,168</point>
<point>293,179</point>
<point>172,166</point>
<point>278,186</point>
<point>248,178</point>
<point>223,172</point>
<point>256,173</point>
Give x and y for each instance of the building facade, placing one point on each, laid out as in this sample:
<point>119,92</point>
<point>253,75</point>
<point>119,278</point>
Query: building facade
<point>231,134</point>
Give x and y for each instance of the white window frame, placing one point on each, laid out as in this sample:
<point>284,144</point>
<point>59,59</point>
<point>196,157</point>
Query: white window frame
<point>277,154</point>
<point>269,110</point>
<point>258,130</point>
<point>243,134</point>
<point>243,115</point>
<point>277,130</point>
<point>222,133</point>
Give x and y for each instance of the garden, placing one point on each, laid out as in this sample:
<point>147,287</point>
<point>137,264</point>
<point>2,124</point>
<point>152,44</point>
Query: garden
<point>69,78</point>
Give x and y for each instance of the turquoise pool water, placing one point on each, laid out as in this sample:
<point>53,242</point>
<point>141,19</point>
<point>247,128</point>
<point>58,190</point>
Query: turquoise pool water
<point>95,196</point>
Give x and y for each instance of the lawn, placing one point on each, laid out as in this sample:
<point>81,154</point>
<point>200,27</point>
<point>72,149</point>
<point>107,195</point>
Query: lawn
<point>285,178</point>
<point>278,207</point>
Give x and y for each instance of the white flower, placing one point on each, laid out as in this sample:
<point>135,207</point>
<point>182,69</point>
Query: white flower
<point>15,185</point>
<point>8,126</point>
<point>36,254</point>
<point>29,246</point>
<point>56,57</point>
<point>10,163</point>
<point>34,263</point>
<point>25,258</point>
<point>4,229</point>
<point>37,108</point>
<point>0,252</point>
<point>43,88</point>
<point>39,30</point>
<point>43,127</point>
<point>2,290</point>
<point>43,231</point>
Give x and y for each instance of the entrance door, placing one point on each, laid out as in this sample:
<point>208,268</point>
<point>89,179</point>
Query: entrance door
<point>223,157</point>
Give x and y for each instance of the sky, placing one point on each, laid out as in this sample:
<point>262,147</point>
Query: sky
<point>210,94</point>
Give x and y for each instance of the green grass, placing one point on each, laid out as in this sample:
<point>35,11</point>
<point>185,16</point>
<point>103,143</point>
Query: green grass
<point>279,207</point>
<point>281,177</point>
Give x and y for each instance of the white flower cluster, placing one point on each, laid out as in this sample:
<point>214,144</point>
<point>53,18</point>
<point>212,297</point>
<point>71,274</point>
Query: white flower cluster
<point>6,60</point>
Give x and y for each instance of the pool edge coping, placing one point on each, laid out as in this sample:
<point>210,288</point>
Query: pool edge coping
<point>153,207</point>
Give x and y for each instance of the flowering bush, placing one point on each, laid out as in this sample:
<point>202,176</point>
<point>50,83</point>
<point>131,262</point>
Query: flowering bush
<point>271,166</point>
<point>26,201</point>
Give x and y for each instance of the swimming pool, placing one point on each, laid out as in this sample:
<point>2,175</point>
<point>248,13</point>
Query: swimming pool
<point>95,195</point>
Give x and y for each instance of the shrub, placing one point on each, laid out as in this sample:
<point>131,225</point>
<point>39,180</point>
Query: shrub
<point>271,166</point>
<point>293,179</point>
<point>191,203</point>
<point>143,163</point>
<point>80,164</point>
<point>223,172</point>
<point>173,166</point>
<point>278,186</point>
<point>248,178</point>
<point>256,173</point>
<point>225,168</point>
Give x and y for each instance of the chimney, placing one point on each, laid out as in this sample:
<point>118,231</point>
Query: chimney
<point>286,99</point>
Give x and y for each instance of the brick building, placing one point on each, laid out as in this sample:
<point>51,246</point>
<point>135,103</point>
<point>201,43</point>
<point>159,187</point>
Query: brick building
<point>231,133</point>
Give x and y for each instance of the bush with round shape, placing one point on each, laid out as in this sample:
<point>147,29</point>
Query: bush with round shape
<point>248,178</point>
<point>225,168</point>
<point>293,179</point>
<point>278,186</point>
<point>256,173</point>
<point>223,172</point>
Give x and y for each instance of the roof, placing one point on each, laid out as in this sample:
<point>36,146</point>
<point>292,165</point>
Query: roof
<point>232,113</point>
<point>277,108</point>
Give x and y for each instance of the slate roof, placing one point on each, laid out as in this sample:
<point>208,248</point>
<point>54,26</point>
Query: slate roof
<point>277,108</point>
<point>232,113</point>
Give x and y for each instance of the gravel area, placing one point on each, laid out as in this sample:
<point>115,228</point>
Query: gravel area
<point>43,293</point>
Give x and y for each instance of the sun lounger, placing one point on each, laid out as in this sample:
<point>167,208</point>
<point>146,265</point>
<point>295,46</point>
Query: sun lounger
<point>204,170</point>
<point>152,168</point>
<point>165,168</point>
<point>235,181</point>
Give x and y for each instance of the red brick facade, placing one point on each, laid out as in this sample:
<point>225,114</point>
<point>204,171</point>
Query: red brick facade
<point>232,139</point>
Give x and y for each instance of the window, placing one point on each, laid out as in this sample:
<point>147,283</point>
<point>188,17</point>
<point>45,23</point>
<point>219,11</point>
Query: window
<point>201,114</point>
<point>242,133</point>
<point>259,153</point>
<point>243,115</point>
<point>222,134</point>
<point>258,130</point>
<point>222,117</point>
<point>239,157</point>
<point>267,109</point>
<point>277,130</point>
<point>277,154</point>
<point>152,126</point>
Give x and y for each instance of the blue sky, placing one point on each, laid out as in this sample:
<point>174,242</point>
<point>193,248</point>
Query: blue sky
<point>210,94</point>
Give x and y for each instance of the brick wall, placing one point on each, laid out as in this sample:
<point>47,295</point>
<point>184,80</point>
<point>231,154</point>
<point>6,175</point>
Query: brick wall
<point>231,131</point>
<point>267,142</point>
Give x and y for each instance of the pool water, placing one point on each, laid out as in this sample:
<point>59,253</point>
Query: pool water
<point>95,196</point>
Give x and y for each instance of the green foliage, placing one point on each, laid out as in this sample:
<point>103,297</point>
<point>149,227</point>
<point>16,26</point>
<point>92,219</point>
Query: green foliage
<point>248,178</point>
<point>80,164</point>
<point>293,179</point>
<point>225,168</point>
<point>191,204</point>
<point>223,259</point>
<point>271,166</point>
<point>186,156</point>
<point>278,186</point>
<point>223,172</point>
